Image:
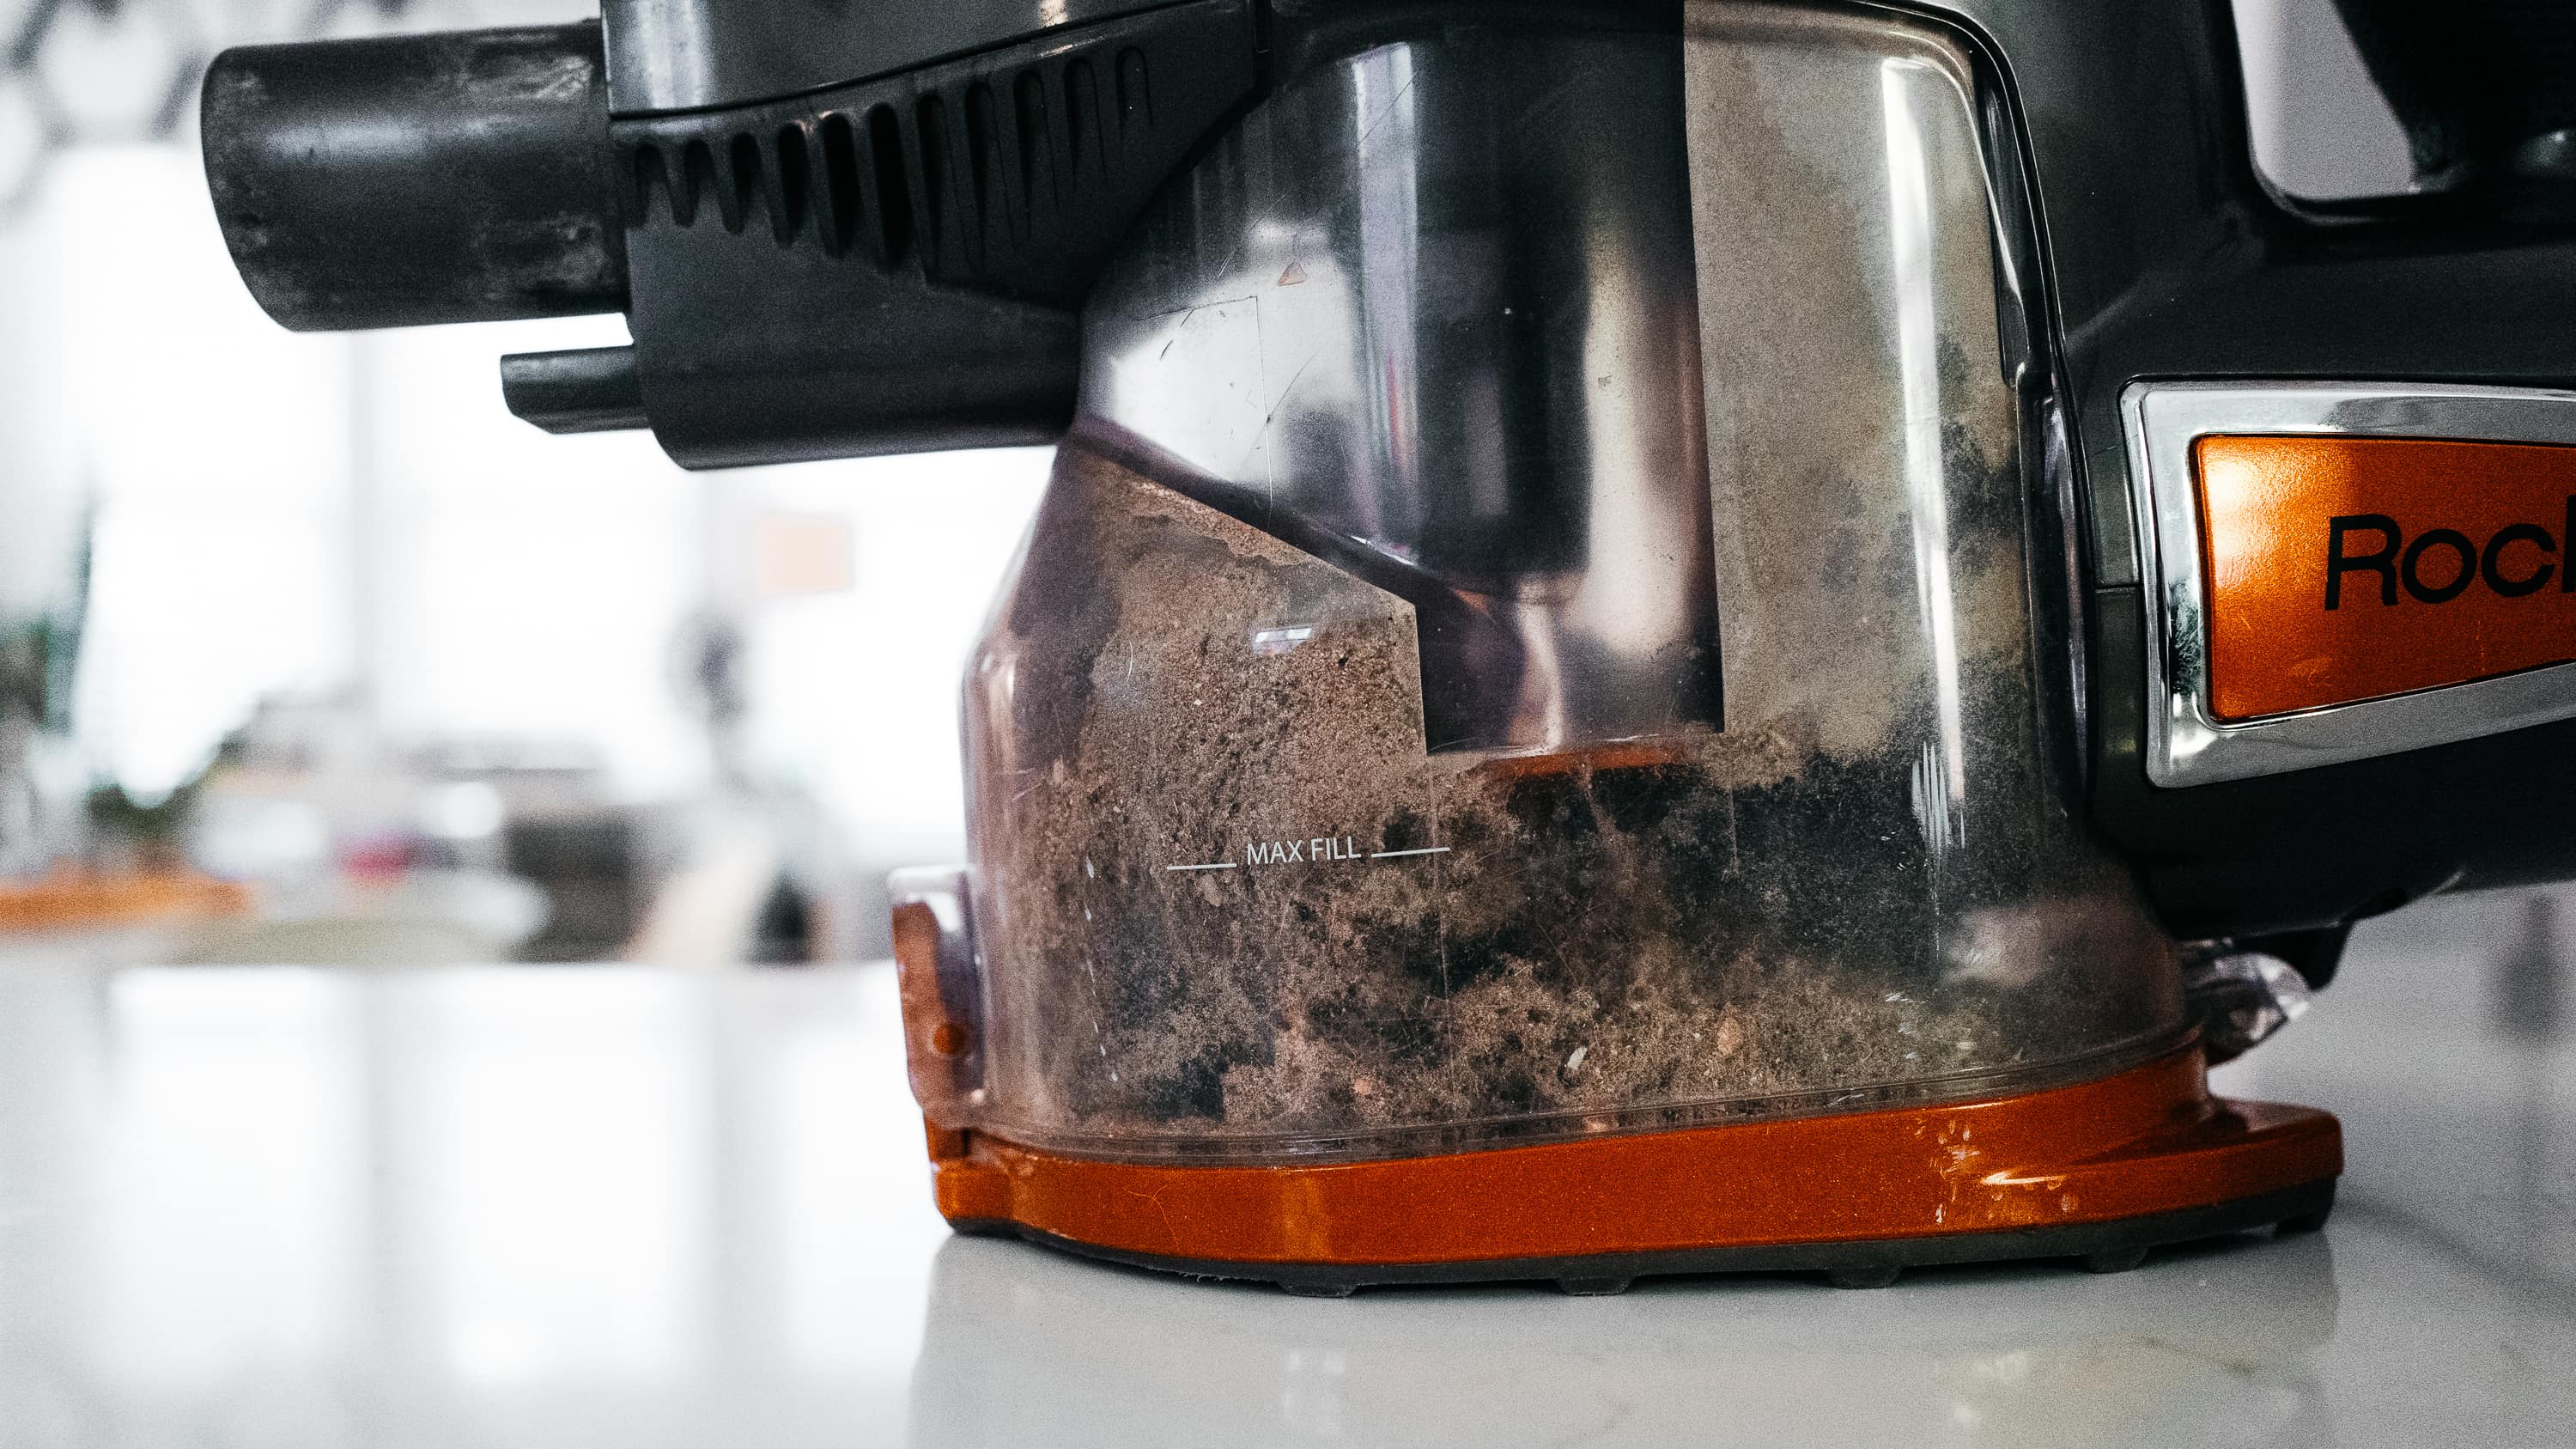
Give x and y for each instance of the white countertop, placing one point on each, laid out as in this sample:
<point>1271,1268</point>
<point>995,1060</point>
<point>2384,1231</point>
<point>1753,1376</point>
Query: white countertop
<point>574,1206</point>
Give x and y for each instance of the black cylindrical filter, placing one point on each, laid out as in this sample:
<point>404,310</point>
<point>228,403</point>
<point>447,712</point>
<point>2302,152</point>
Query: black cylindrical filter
<point>398,182</point>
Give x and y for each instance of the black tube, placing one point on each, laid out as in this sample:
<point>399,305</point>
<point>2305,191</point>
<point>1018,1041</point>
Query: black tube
<point>462,177</point>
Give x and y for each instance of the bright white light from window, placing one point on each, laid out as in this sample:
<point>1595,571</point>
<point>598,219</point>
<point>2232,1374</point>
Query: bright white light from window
<point>856,693</point>
<point>2321,129</point>
<point>233,1152</point>
<point>855,1231</point>
<point>562,1117</point>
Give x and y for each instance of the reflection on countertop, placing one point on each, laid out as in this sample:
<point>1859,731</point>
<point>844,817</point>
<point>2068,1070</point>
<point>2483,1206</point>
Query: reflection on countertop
<point>2447,1044</point>
<point>2215,1345</point>
<point>540,1206</point>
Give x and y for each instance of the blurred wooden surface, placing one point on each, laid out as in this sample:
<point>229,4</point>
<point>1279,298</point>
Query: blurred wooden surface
<point>72,900</point>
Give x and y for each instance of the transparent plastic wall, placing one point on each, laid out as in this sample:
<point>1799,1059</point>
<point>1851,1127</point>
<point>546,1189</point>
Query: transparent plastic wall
<point>1542,629</point>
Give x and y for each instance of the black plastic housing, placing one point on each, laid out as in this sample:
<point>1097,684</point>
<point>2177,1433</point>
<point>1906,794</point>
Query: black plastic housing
<point>699,55</point>
<point>2486,89</point>
<point>2169,258</point>
<point>896,266</point>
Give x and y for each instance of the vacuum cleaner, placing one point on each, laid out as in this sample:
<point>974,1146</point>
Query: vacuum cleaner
<point>1668,636</point>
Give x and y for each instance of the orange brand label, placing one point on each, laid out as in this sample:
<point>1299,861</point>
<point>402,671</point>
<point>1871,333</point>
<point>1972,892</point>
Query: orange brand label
<point>2352,568</point>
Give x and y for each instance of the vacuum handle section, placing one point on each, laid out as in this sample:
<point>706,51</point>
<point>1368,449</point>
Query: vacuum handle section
<point>459,177</point>
<point>2486,89</point>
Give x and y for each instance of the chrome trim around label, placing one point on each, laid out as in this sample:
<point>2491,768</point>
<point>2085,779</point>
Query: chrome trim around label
<point>2189,745</point>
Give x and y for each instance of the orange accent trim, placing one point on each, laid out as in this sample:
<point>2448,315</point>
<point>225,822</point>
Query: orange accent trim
<point>75,899</point>
<point>1627,756</point>
<point>931,1041</point>
<point>2454,566</point>
<point>2149,1140</point>
<point>945,1142</point>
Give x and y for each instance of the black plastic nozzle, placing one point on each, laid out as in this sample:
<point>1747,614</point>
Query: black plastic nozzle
<point>461,177</point>
<point>591,390</point>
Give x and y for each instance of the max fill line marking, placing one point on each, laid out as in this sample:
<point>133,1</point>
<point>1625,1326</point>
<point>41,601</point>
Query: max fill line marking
<point>1381,855</point>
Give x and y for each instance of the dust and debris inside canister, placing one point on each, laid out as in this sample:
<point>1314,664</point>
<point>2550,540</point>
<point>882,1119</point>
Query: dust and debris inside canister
<point>1226,895</point>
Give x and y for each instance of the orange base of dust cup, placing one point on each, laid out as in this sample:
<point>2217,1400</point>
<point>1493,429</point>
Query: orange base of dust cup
<point>2101,1172</point>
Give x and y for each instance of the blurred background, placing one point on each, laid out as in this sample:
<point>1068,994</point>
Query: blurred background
<point>310,652</point>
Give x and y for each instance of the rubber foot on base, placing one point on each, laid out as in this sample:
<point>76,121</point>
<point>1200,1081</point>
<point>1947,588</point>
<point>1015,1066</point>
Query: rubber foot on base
<point>1877,1275</point>
<point>2115,1260</point>
<point>1593,1287</point>
<point>1320,1290</point>
<point>2302,1222</point>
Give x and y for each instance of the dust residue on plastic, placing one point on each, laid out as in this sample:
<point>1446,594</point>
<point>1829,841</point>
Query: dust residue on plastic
<point>1851,355</point>
<point>1227,896</point>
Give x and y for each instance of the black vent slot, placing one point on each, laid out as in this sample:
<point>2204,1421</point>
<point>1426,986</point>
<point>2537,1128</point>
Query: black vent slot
<point>795,184</point>
<point>743,181</point>
<point>889,199</point>
<point>1012,173</point>
<point>1085,143</point>
<point>1029,121</point>
<point>930,115</point>
<point>1135,95</point>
